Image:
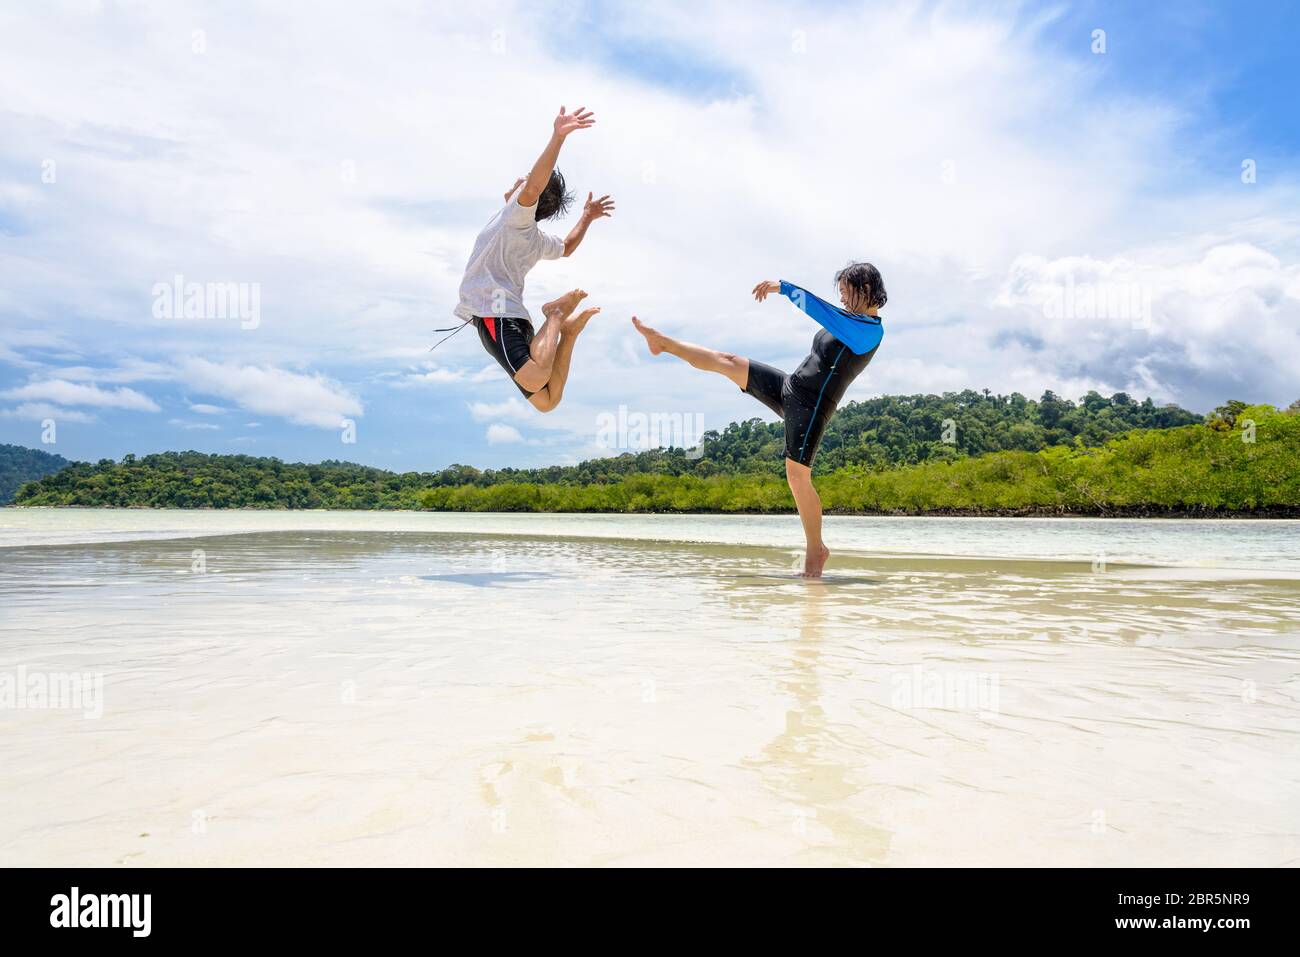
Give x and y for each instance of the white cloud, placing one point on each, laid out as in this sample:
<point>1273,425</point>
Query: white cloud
<point>203,409</point>
<point>127,370</point>
<point>509,409</point>
<point>1215,320</point>
<point>501,434</point>
<point>436,377</point>
<point>789,165</point>
<point>193,426</point>
<point>432,375</point>
<point>39,411</point>
<point>77,394</point>
<point>302,399</point>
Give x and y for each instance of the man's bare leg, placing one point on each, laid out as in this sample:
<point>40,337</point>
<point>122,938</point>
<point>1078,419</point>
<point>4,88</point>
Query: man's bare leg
<point>549,396</point>
<point>735,368</point>
<point>809,504</point>
<point>536,372</point>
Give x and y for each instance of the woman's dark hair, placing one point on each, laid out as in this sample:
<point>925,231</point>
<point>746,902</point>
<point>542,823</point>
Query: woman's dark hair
<point>864,279</point>
<point>554,200</point>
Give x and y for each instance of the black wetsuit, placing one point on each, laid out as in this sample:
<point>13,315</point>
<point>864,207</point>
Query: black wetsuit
<point>808,398</point>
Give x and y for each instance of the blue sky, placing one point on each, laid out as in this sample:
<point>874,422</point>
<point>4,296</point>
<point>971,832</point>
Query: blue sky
<point>1235,69</point>
<point>338,165</point>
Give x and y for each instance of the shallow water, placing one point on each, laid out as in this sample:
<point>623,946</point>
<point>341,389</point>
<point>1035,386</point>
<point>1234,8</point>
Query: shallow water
<point>1268,545</point>
<point>482,689</point>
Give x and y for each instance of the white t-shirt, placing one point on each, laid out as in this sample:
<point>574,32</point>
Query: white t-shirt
<point>509,245</point>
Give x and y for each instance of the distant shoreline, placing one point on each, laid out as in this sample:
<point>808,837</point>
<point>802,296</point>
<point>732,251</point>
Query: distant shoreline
<point>1208,470</point>
<point>1279,512</point>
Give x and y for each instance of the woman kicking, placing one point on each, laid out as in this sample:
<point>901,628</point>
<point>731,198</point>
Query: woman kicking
<point>492,291</point>
<point>805,399</point>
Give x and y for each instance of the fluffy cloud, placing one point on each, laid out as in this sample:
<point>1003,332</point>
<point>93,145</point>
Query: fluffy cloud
<point>77,394</point>
<point>501,434</point>
<point>433,374</point>
<point>432,377</point>
<point>125,370</point>
<point>39,411</point>
<point>1173,323</point>
<point>509,409</point>
<point>954,146</point>
<point>302,399</point>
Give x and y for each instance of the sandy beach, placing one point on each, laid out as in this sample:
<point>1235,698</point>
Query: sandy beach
<point>367,688</point>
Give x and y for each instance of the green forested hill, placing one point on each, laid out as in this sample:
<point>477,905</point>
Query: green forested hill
<point>1234,465</point>
<point>19,465</point>
<point>891,430</point>
<point>1010,455</point>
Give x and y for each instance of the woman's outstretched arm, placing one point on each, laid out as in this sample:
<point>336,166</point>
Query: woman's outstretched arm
<point>859,333</point>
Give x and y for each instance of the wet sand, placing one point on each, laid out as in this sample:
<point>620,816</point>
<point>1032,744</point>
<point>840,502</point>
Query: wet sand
<point>406,695</point>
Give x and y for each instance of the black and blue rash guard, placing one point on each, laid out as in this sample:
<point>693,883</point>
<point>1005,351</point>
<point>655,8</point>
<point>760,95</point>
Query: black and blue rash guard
<point>839,352</point>
<point>860,333</point>
<point>808,397</point>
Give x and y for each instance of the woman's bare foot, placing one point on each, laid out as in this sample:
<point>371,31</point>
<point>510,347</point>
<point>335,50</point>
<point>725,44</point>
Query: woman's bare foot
<point>575,324</point>
<point>564,305</point>
<point>815,561</point>
<point>653,339</point>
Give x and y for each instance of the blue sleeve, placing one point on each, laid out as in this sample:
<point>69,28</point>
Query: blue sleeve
<point>859,333</point>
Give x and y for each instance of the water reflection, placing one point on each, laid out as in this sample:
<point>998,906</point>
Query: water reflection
<point>806,764</point>
<point>487,579</point>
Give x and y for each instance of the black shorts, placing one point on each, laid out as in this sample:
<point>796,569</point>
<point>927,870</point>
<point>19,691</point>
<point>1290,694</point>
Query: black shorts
<point>507,340</point>
<point>806,417</point>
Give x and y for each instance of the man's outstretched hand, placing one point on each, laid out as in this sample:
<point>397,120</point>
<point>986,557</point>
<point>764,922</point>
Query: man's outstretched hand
<point>579,119</point>
<point>540,175</point>
<point>594,209</point>
<point>766,288</point>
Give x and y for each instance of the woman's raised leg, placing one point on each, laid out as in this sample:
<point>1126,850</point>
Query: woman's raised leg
<point>734,367</point>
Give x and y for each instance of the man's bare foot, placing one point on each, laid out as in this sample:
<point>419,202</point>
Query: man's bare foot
<point>564,305</point>
<point>815,561</point>
<point>575,324</point>
<point>653,339</point>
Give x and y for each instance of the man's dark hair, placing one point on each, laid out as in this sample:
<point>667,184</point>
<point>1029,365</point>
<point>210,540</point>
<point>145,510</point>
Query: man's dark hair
<point>554,200</point>
<point>864,279</point>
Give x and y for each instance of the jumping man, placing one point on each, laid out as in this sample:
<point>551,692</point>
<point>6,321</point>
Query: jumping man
<point>492,292</point>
